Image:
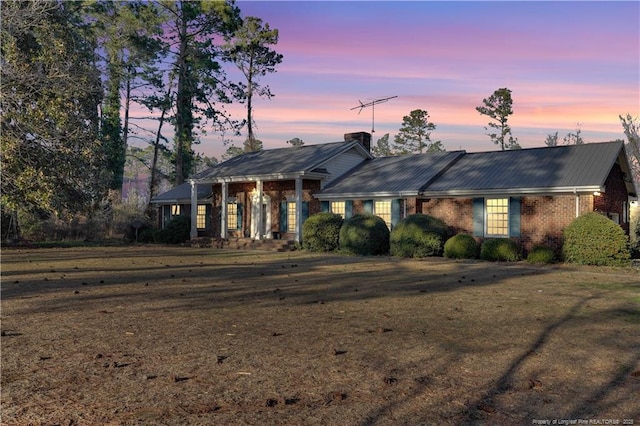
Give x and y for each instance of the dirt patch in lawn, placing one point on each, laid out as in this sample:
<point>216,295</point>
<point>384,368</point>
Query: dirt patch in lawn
<point>168,335</point>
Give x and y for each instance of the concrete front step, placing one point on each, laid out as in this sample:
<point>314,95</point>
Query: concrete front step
<point>245,244</point>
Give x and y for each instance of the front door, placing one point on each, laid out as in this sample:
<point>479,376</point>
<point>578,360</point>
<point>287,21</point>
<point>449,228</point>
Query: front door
<point>260,226</point>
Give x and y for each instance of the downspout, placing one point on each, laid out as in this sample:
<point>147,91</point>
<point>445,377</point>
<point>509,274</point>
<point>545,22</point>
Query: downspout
<point>575,192</point>
<point>194,209</point>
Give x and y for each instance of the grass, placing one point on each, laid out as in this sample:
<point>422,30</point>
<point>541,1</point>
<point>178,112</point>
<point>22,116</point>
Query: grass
<point>169,335</point>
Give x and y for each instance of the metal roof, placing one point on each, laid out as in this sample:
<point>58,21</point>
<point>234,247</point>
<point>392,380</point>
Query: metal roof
<point>307,158</point>
<point>554,169</point>
<point>560,169</point>
<point>182,194</point>
<point>385,176</point>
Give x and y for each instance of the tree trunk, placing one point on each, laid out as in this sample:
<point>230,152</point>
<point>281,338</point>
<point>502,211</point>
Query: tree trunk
<point>250,136</point>
<point>181,100</point>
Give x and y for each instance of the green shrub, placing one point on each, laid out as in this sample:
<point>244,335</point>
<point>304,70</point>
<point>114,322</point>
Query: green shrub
<point>418,235</point>
<point>541,254</point>
<point>461,246</point>
<point>176,231</point>
<point>500,249</point>
<point>148,235</point>
<point>364,234</point>
<point>321,232</point>
<point>593,239</point>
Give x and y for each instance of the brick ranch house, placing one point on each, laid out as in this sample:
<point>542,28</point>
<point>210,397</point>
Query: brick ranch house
<point>529,195</point>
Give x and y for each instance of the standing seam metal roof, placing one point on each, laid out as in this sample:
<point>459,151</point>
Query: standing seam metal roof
<point>407,174</point>
<point>277,161</point>
<point>182,193</point>
<point>562,166</point>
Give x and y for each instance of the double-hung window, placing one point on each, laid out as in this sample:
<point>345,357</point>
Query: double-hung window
<point>382,209</point>
<point>291,216</point>
<point>201,216</point>
<point>232,216</point>
<point>497,217</point>
<point>338,207</point>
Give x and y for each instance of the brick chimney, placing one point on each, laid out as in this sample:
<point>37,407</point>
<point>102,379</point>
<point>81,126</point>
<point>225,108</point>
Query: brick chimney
<point>363,137</point>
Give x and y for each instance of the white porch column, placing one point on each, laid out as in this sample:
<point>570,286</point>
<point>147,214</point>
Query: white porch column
<point>298,236</point>
<point>194,209</point>
<point>223,210</point>
<point>260,212</point>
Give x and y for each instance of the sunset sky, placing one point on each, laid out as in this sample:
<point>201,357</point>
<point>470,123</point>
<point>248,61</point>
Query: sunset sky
<point>565,62</point>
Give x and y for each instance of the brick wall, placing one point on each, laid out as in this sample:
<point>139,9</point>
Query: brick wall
<point>612,200</point>
<point>542,218</point>
<point>457,213</point>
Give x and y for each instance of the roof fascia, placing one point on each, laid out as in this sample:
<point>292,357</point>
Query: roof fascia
<point>565,190</point>
<point>265,177</point>
<point>180,201</point>
<point>366,195</point>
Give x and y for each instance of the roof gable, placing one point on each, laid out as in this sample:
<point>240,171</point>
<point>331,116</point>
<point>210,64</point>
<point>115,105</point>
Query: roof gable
<point>280,161</point>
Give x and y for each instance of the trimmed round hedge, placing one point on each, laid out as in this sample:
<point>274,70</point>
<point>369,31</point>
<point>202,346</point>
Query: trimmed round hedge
<point>321,232</point>
<point>461,246</point>
<point>177,231</point>
<point>500,249</point>
<point>541,254</point>
<point>418,235</point>
<point>364,234</point>
<point>593,239</point>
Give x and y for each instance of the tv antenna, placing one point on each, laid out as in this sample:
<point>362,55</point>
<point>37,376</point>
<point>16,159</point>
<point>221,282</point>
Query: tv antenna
<point>372,104</point>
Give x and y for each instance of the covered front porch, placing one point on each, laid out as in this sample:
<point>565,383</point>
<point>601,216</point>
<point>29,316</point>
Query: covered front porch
<point>261,207</point>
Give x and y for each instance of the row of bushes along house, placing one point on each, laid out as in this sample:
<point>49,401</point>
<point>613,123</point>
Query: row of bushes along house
<point>590,239</point>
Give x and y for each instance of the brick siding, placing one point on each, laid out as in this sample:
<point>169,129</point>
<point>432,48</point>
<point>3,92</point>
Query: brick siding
<point>612,200</point>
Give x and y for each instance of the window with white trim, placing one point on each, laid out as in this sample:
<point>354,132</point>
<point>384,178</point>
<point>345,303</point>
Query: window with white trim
<point>338,207</point>
<point>232,216</point>
<point>201,216</point>
<point>497,217</point>
<point>382,209</point>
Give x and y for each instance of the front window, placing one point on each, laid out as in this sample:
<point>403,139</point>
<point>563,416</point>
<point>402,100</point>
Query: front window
<point>338,207</point>
<point>201,217</point>
<point>175,210</point>
<point>232,216</point>
<point>382,209</point>
<point>497,220</point>
<point>291,216</point>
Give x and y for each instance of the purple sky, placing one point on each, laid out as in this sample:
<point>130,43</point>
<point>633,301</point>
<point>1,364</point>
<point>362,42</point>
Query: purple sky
<point>565,62</point>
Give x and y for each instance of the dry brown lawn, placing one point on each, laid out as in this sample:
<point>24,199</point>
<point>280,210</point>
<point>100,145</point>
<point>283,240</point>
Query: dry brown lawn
<point>186,336</point>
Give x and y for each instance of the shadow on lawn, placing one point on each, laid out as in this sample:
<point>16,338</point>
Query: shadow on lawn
<point>610,395</point>
<point>227,279</point>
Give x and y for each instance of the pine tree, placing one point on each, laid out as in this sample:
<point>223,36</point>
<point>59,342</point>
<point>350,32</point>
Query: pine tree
<point>249,50</point>
<point>415,134</point>
<point>498,107</point>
